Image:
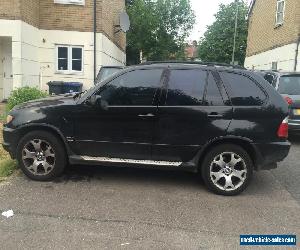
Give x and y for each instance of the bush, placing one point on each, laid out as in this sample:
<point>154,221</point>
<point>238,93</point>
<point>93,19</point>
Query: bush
<point>24,94</point>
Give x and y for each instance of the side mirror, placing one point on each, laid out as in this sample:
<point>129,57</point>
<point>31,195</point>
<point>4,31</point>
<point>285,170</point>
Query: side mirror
<point>96,100</point>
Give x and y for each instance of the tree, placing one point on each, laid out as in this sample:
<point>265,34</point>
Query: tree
<point>217,43</point>
<point>158,28</point>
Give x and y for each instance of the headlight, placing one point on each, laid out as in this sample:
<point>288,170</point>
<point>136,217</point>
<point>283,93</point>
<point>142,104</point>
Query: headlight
<point>9,118</point>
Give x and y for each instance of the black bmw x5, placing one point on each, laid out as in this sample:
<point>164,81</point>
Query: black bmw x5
<point>221,121</point>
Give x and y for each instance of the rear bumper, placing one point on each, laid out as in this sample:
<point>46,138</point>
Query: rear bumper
<point>268,154</point>
<point>294,125</point>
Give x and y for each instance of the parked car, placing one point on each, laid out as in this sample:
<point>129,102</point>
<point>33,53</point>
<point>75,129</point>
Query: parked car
<point>288,85</point>
<point>107,71</point>
<point>220,121</point>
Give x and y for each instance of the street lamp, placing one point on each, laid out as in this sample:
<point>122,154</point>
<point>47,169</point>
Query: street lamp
<point>235,31</point>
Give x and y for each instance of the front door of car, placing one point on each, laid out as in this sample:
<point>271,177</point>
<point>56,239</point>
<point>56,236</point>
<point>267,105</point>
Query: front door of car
<point>191,114</point>
<point>124,128</point>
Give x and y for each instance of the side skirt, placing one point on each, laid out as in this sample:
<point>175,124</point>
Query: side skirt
<point>107,161</point>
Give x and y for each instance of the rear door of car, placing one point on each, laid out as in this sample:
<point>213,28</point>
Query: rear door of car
<point>252,112</point>
<point>193,110</point>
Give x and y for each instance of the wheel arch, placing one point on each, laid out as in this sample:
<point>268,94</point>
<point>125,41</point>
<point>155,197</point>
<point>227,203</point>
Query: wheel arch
<point>243,142</point>
<point>22,131</point>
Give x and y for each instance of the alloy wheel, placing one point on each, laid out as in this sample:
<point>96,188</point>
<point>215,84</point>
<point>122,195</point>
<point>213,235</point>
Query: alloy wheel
<point>228,171</point>
<point>38,157</point>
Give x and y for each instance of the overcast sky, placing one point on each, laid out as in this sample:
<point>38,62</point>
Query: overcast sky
<point>205,10</point>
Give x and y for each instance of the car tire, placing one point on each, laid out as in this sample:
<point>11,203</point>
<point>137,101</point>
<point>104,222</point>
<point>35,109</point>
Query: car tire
<point>41,156</point>
<point>227,169</point>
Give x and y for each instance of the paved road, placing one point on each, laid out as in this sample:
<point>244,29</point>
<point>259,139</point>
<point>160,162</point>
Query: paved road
<point>288,172</point>
<point>114,208</point>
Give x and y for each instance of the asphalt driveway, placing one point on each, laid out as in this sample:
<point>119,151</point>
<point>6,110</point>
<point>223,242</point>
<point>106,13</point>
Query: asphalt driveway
<point>115,208</point>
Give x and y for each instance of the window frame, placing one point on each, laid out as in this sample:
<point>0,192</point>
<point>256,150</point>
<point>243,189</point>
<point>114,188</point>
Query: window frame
<point>230,92</point>
<point>166,88</point>
<point>157,94</point>
<point>279,23</point>
<point>74,2</point>
<point>70,59</point>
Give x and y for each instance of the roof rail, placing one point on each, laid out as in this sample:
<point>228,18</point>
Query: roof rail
<point>196,63</point>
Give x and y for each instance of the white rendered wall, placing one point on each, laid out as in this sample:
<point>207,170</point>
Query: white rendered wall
<point>34,54</point>
<point>284,56</point>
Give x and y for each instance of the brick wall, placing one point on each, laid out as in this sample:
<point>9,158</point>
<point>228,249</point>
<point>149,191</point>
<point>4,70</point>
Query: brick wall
<point>45,14</point>
<point>110,17</point>
<point>66,17</point>
<point>81,18</point>
<point>10,9</point>
<point>30,12</point>
<point>263,35</point>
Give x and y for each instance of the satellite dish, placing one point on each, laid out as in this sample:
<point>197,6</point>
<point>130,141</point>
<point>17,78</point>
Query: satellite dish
<point>124,22</point>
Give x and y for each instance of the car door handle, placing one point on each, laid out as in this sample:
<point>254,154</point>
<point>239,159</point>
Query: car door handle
<point>147,115</point>
<point>214,115</point>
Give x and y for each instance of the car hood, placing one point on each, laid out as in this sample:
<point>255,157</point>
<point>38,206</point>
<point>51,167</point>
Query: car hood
<point>47,102</point>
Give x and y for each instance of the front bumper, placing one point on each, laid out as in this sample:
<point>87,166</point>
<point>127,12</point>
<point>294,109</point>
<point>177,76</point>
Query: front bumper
<point>268,154</point>
<point>9,141</point>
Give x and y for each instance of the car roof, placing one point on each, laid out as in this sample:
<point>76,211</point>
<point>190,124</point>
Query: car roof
<point>188,65</point>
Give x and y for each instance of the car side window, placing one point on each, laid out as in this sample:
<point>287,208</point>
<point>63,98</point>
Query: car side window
<point>244,92</point>
<point>134,88</point>
<point>213,96</point>
<point>186,87</point>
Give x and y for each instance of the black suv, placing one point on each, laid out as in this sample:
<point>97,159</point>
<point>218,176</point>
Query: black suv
<point>221,121</point>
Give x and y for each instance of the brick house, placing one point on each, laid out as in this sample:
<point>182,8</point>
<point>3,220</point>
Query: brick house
<point>53,40</point>
<point>274,35</point>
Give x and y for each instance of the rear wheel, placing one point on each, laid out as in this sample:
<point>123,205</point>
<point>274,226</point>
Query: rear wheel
<point>227,169</point>
<point>41,156</point>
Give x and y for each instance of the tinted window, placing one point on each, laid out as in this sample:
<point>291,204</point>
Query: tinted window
<point>244,92</point>
<point>186,87</point>
<point>289,85</point>
<point>133,88</point>
<point>213,96</point>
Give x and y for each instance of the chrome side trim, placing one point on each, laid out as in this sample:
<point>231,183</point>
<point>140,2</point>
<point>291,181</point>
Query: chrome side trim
<point>132,161</point>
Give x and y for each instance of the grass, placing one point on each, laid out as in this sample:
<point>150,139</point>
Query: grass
<point>7,165</point>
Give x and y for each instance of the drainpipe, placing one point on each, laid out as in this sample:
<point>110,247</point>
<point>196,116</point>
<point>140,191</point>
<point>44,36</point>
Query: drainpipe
<point>95,39</point>
<point>296,55</point>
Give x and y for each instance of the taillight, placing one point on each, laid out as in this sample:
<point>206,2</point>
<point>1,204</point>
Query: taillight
<point>283,130</point>
<point>288,100</point>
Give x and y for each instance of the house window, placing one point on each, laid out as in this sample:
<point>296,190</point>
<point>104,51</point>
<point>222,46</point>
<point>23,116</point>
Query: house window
<point>77,2</point>
<point>69,59</point>
<point>274,65</point>
<point>280,12</point>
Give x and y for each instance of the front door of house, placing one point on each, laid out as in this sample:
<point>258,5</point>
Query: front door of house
<point>1,73</point>
<point>7,75</point>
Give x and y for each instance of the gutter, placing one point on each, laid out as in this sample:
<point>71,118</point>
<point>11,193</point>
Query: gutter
<point>296,54</point>
<point>95,39</point>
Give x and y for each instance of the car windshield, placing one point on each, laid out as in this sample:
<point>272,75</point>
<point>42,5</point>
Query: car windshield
<point>289,85</point>
<point>104,73</point>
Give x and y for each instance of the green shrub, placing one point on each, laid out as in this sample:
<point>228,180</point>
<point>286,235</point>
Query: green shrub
<point>24,94</point>
<point>7,167</point>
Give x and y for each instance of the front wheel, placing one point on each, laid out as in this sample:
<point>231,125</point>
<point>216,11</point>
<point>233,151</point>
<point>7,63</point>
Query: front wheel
<point>41,156</point>
<point>227,169</point>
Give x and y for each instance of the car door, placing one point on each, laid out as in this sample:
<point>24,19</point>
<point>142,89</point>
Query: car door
<point>125,128</point>
<point>192,113</point>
